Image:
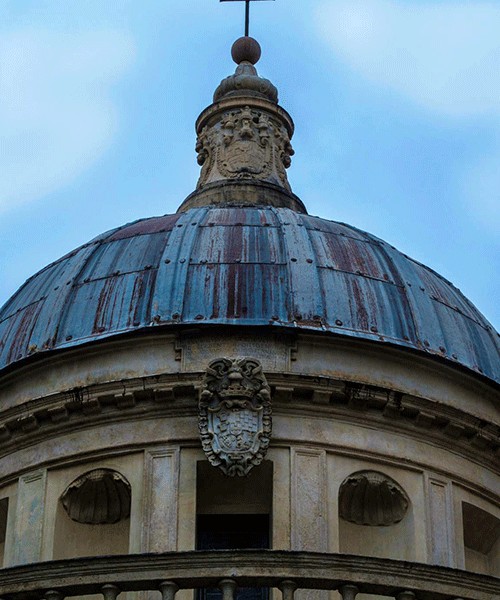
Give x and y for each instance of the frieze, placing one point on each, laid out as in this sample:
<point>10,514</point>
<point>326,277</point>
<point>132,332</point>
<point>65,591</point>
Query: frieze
<point>235,415</point>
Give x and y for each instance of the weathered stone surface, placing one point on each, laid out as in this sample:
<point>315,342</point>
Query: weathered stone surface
<point>235,415</point>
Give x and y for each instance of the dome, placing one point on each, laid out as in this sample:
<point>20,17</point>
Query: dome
<point>245,266</point>
<point>244,396</point>
<point>242,251</point>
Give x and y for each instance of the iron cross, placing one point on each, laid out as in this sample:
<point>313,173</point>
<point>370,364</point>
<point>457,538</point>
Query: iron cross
<point>247,12</point>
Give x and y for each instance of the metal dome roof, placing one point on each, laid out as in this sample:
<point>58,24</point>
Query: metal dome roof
<point>245,266</point>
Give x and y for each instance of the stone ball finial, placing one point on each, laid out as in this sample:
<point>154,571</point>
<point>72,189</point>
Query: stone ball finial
<point>246,49</point>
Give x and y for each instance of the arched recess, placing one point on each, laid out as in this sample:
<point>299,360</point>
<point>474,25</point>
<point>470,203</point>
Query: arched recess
<point>375,517</point>
<point>93,516</point>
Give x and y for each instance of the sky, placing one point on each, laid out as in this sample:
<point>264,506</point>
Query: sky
<point>396,105</point>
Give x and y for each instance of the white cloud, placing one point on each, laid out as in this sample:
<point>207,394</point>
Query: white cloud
<point>56,111</point>
<point>444,56</point>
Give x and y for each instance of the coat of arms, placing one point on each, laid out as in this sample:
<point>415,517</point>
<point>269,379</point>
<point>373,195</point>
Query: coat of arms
<point>235,414</point>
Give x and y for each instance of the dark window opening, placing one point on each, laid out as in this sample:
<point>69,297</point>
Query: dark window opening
<point>233,532</point>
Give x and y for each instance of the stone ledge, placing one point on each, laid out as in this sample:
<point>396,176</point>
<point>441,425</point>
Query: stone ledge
<point>176,395</point>
<point>262,568</point>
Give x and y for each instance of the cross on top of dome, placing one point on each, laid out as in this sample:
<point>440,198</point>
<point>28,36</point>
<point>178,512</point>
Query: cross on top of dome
<point>247,12</point>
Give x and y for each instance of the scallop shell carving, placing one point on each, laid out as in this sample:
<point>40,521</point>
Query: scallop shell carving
<point>101,496</point>
<point>372,498</point>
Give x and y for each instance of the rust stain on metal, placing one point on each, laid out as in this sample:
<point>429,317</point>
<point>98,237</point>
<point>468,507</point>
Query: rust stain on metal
<point>239,268</point>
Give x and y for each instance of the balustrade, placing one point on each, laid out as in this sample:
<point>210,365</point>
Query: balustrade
<point>229,570</point>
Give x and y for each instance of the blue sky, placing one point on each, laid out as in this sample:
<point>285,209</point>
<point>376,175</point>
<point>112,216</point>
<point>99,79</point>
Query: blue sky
<point>396,105</point>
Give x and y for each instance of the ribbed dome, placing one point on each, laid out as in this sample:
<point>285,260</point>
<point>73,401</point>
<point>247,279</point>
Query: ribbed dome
<point>245,266</point>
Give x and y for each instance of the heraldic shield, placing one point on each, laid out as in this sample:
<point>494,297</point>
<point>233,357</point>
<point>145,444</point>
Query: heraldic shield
<point>235,414</point>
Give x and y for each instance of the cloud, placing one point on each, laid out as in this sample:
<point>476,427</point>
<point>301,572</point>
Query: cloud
<point>444,56</point>
<point>57,116</point>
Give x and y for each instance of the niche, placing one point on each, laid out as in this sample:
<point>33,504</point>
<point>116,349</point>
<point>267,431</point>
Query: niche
<point>4,508</point>
<point>481,540</point>
<point>375,517</point>
<point>93,516</point>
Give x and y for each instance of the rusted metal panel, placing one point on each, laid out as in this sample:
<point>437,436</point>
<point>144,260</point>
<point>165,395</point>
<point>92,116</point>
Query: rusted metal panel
<point>245,266</point>
<point>248,293</point>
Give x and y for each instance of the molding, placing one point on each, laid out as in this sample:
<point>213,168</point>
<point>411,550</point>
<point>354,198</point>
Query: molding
<point>262,568</point>
<point>176,395</point>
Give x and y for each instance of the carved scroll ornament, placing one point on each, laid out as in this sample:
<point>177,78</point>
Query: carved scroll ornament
<point>235,415</point>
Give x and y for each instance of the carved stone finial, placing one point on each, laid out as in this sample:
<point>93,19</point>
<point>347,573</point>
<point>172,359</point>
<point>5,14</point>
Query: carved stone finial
<point>235,415</point>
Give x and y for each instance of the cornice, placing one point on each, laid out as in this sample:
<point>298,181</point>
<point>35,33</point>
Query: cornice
<point>176,395</point>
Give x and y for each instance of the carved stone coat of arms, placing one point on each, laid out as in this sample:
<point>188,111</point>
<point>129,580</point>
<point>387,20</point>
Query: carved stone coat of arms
<point>235,414</point>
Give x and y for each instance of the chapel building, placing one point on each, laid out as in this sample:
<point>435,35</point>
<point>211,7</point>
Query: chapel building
<point>244,397</point>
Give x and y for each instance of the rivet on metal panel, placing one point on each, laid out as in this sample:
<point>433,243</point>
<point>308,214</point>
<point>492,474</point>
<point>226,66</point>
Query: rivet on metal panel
<point>426,343</point>
<point>69,337</point>
<point>339,322</point>
<point>179,224</point>
<point>422,288</point>
<point>406,338</point>
<point>175,316</point>
<point>443,349</point>
<point>454,356</point>
<point>167,261</point>
<point>275,318</point>
<point>309,260</point>
<point>182,260</point>
<point>156,319</point>
<point>293,259</point>
<point>374,329</point>
<point>199,317</point>
<point>193,223</point>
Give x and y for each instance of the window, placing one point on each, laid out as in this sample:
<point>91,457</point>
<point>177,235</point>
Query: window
<point>233,513</point>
